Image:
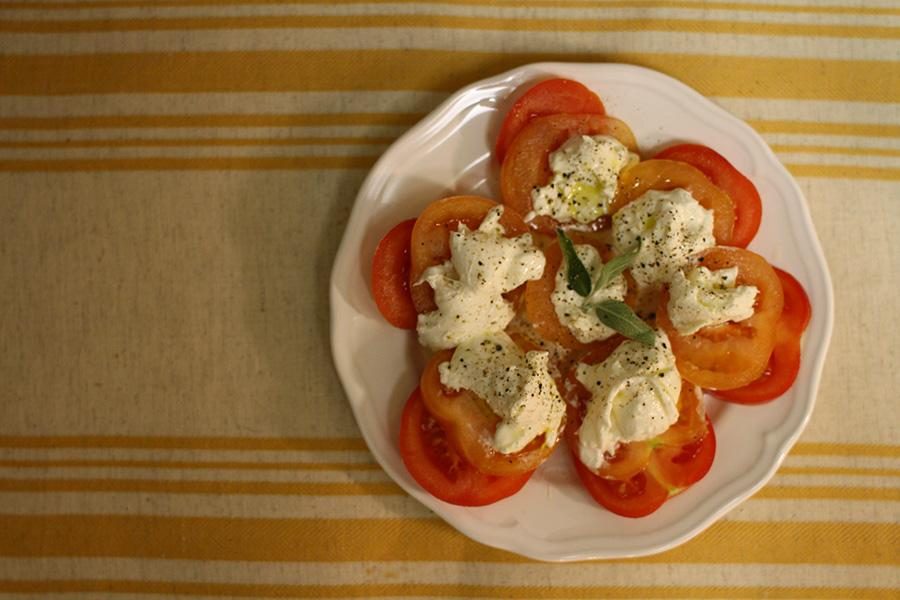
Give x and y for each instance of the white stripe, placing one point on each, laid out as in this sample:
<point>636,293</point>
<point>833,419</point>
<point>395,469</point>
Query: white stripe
<point>412,573</point>
<point>842,481</point>
<point>546,14</point>
<point>848,141</point>
<point>240,506</point>
<point>815,111</point>
<point>850,462</point>
<point>725,44</point>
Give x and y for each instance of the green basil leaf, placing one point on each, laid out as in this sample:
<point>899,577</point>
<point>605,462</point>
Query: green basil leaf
<point>578,277</point>
<point>619,316</point>
<point>616,266</point>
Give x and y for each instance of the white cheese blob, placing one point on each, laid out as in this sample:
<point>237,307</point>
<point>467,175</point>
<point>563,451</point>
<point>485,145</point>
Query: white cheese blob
<point>516,385</point>
<point>671,226</point>
<point>468,288</point>
<point>585,175</point>
<point>702,298</point>
<point>572,310</point>
<point>634,398</point>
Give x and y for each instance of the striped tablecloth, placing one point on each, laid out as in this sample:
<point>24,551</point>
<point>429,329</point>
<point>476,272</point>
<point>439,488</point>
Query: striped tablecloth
<point>175,176</point>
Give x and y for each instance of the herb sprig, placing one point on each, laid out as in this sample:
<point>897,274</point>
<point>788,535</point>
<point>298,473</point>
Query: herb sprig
<point>615,314</point>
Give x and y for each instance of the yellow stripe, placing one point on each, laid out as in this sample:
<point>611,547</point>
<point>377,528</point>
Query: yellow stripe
<point>844,171</point>
<point>836,150</point>
<point>199,142</point>
<point>183,464</point>
<point>865,471</point>
<point>647,4</point>
<point>340,540</point>
<point>278,488</point>
<point>281,71</point>
<point>373,590</point>
<point>211,120</point>
<point>182,443</point>
<point>772,492</point>
<point>332,466</point>
<point>271,488</point>
<point>239,163</point>
<point>825,448</point>
<point>823,128</point>
<point>447,22</point>
<point>337,443</point>
<point>191,164</point>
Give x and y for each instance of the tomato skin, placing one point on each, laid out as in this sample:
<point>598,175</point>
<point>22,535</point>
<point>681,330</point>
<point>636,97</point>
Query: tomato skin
<point>730,355</point>
<point>526,165</point>
<point>390,277</point>
<point>468,422</point>
<point>435,466</point>
<point>664,175</point>
<point>784,364</point>
<point>545,98</point>
<point>430,241</point>
<point>744,195</point>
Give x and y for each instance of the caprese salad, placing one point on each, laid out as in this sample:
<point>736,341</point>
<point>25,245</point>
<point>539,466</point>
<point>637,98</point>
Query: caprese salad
<point>591,306</point>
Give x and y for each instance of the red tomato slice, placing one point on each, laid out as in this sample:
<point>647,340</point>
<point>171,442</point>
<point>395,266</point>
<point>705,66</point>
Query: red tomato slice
<point>430,243</point>
<point>527,166</point>
<point>468,421</point>
<point>638,496</point>
<point>681,466</point>
<point>549,97</point>
<point>390,277</point>
<point>437,467</point>
<point>784,364</point>
<point>730,355</point>
<point>747,203</point>
<point>666,175</point>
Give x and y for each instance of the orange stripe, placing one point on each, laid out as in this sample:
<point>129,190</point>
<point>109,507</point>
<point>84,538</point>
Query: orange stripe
<point>427,589</point>
<point>181,464</point>
<point>348,540</point>
<point>395,70</point>
<point>647,4</point>
<point>208,120</point>
<point>182,443</point>
<point>828,493</point>
<point>843,171</point>
<point>828,449</point>
<point>231,163</point>
<point>445,22</point>
<point>839,471</point>
<point>217,142</point>
<point>278,488</point>
<point>271,488</point>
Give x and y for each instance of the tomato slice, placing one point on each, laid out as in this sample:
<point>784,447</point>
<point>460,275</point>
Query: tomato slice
<point>527,165</point>
<point>784,364</point>
<point>747,203</point>
<point>549,97</point>
<point>636,497</point>
<point>666,175</point>
<point>438,468</point>
<point>681,466</point>
<point>430,242</point>
<point>390,277</point>
<point>470,424</point>
<point>730,355</point>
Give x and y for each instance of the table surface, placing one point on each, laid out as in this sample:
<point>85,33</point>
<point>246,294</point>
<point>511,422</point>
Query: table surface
<point>175,176</point>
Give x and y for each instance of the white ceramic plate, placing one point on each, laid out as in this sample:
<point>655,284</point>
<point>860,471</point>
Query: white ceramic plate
<point>448,152</point>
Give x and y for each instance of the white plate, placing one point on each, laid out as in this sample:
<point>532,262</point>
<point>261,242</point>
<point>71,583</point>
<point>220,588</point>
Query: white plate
<point>448,152</point>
